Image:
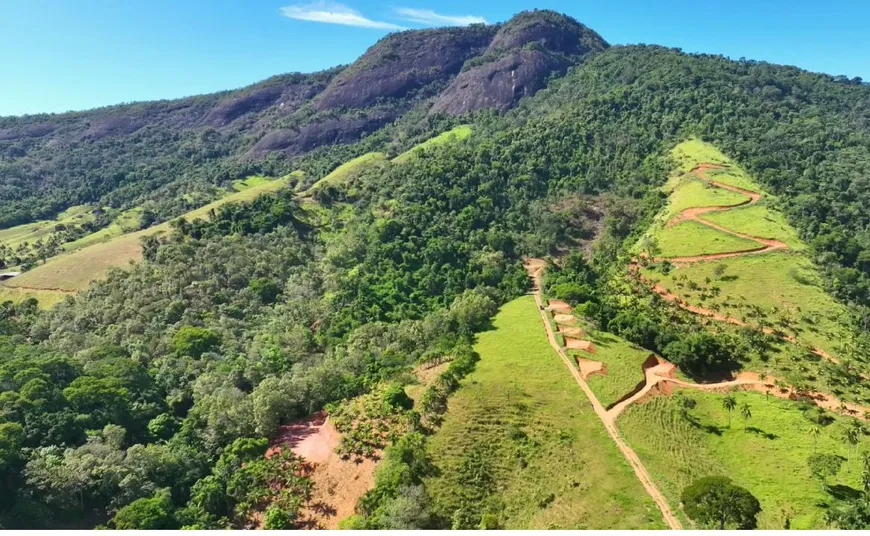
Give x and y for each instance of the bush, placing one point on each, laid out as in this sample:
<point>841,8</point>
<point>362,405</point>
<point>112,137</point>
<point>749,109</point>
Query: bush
<point>277,519</point>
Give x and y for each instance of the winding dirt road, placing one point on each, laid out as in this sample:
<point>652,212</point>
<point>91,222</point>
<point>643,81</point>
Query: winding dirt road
<point>765,245</point>
<point>535,267</point>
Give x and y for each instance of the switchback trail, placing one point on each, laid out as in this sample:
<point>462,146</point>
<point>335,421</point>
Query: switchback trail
<point>765,245</point>
<point>535,267</point>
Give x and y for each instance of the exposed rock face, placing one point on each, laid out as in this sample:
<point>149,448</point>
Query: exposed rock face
<point>285,98</point>
<point>554,31</point>
<point>499,84</point>
<point>522,56</point>
<point>463,69</point>
<point>402,63</point>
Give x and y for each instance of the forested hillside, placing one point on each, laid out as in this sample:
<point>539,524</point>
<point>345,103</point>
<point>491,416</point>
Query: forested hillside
<point>149,399</point>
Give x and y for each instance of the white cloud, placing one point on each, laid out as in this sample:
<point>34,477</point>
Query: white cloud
<point>429,17</point>
<point>334,13</point>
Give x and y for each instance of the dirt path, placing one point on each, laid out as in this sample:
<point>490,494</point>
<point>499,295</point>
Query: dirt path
<point>765,245</point>
<point>40,289</point>
<point>660,378</point>
<point>709,313</point>
<point>535,267</point>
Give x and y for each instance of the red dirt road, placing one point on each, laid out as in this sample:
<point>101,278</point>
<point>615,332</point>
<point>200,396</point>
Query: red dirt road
<point>765,245</point>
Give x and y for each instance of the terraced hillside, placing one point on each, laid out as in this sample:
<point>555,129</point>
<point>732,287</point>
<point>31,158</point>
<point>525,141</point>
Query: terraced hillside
<point>723,251</point>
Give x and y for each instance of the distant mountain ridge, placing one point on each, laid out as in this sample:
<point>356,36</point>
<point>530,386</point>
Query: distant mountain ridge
<point>462,68</point>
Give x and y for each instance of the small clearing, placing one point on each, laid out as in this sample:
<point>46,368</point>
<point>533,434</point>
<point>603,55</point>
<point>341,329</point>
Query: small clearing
<point>338,484</point>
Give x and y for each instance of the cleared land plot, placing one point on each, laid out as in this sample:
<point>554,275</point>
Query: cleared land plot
<point>31,232</point>
<point>125,222</point>
<point>349,170</point>
<point>786,285</point>
<point>690,192</point>
<point>521,421</point>
<point>456,134</point>
<point>690,238</point>
<point>692,152</point>
<point>757,220</point>
<point>623,362</point>
<point>75,271</point>
<point>768,458</point>
<point>46,298</point>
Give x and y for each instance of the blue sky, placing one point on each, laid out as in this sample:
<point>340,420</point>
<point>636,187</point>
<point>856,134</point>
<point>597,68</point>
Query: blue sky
<point>58,55</point>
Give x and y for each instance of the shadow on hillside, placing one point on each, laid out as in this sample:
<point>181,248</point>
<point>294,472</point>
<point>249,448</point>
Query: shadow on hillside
<point>844,493</point>
<point>762,433</point>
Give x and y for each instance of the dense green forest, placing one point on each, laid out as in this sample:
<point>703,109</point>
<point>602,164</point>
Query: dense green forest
<point>148,400</point>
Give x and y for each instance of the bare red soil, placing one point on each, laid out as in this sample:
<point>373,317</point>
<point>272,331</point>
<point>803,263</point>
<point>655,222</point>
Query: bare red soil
<point>337,484</point>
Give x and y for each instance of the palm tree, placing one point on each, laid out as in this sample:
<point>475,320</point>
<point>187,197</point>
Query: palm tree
<point>815,431</point>
<point>747,414</point>
<point>728,404</point>
<point>851,437</point>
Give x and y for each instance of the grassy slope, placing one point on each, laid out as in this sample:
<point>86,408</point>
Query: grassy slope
<point>346,171</point>
<point>758,220</point>
<point>689,238</point>
<point>520,384</point>
<point>456,134</point>
<point>692,152</point>
<point>624,363</point>
<point>770,461</point>
<point>76,270</point>
<point>30,232</point>
<point>787,281</point>
<point>46,298</point>
<point>691,193</point>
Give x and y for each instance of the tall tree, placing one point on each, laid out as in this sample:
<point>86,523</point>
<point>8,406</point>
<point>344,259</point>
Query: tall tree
<point>728,404</point>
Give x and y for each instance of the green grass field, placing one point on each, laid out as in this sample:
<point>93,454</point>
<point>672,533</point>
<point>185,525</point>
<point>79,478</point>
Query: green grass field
<point>521,419</point>
<point>30,232</point>
<point>46,298</point>
<point>76,270</point>
<point>350,169</point>
<point>125,222</point>
<point>692,152</point>
<point>624,362</point>
<point>690,192</point>
<point>784,284</point>
<point>758,220</point>
<point>689,238</point>
<point>769,459</point>
<point>456,134</point>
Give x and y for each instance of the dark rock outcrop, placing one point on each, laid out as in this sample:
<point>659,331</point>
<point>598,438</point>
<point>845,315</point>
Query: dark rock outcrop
<point>524,53</point>
<point>404,62</point>
<point>499,84</point>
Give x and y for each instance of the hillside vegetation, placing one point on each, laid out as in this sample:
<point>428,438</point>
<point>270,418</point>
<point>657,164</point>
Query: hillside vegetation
<point>521,447</point>
<point>92,257</point>
<point>780,290</point>
<point>149,398</point>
